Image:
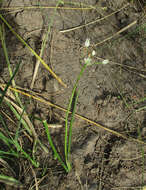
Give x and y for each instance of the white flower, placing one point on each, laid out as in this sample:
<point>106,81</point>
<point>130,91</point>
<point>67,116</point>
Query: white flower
<point>88,61</point>
<point>93,52</point>
<point>106,61</point>
<point>87,42</point>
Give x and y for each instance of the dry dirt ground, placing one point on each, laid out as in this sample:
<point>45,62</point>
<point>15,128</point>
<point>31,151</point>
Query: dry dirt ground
<point>109,94</point>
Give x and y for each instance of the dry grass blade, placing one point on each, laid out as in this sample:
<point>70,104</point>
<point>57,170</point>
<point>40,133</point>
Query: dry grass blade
<point>6,165</point>
<point>39,181</point>
<point>37,64</point>
<point>35,178</point>
<point>8,117</point>
<point>93,22</point>
<point>116,34</point>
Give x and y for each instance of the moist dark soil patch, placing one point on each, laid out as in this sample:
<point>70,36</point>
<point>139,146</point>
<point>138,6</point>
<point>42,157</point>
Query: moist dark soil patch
<point>111,94</point>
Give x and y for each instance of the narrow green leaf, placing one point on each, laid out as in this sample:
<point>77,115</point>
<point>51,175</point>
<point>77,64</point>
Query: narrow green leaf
<point>53,147</point>
<point>68,111</point>
<point>9,83</point>
<point>10,181</point>
<point>71,123</point>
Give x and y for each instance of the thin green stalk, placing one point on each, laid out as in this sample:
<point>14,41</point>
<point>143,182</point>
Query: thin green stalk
<point>2,153</point>
<point>9,143</point>
<point>19,148</point>
<point>19,117</point>
<point>2,35</point>
<point>6,140</point>
<point>53,147</point>
<point>10,181</point>
<point>70,131</point>
<point>68,111</point>
<point>9,83</point>
<point>5,126</point>
<point>18,128</point>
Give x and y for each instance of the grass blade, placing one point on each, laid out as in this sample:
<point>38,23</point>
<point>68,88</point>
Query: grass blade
<point>2,35</point>
<point>9,83</point>
<point>5,126</point>
<point>71,123</point>
<point>53,147</point>
<point>19,117</point>
<point>3,153</point>
<point>10,181</point>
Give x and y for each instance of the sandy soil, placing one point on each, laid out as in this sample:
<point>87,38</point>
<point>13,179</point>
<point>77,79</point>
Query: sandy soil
<point>101,160</point>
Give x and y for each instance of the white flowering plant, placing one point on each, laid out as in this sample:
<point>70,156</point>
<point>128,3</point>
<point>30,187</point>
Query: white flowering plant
<point>88,60</point>
<point>89,56</point>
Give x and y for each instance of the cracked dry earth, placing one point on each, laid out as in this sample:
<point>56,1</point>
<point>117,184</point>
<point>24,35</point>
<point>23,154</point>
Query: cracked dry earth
<point>100,159</point>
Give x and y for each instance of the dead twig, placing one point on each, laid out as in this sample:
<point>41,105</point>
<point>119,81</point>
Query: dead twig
<point>38,63</point>
<point>116,34</point>
<point>93,22</point>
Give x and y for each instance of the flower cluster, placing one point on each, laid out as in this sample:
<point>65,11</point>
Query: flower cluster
<point>88,59</point>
